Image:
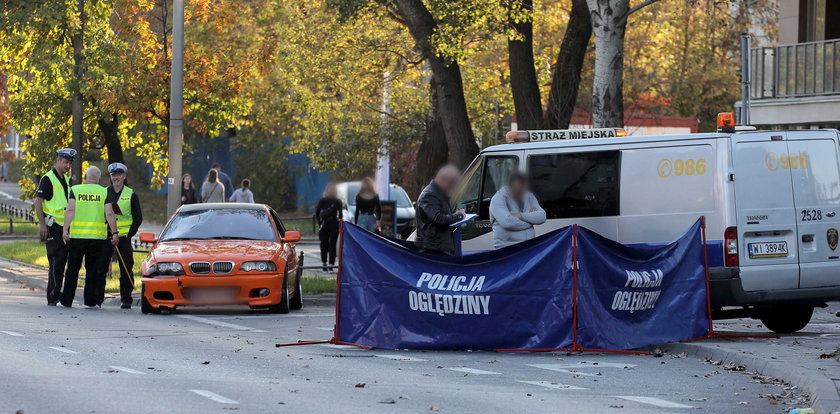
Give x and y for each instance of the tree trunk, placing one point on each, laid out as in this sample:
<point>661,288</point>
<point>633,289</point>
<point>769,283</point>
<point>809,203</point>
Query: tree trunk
<point>110,134</point>
<point>433,152</point>
<point>523,74</point>
<point>448,82</point>
<point>609,21</point>
<point>77,105</point>
<point>565,81</point>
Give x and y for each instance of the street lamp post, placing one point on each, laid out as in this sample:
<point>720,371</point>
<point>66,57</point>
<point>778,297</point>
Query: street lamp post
<point>176,109</point>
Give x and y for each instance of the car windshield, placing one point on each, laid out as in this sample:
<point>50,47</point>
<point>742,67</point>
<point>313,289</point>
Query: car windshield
<point>220,224</point>
<point>399,195</point>
<point>352,190</point>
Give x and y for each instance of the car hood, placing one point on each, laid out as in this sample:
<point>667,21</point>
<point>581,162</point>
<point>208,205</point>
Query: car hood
<point>212,250</point>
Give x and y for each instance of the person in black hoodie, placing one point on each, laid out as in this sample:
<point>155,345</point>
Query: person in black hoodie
<point>328,214</point>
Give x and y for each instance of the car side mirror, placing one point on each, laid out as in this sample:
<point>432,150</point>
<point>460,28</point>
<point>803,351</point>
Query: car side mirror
<point>291,236</point>
<point>147,238</point>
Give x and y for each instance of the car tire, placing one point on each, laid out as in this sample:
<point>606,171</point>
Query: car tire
<point>145,306</point>
<point>786,319</point>
<point>296,303</point>
<point>283,306</point>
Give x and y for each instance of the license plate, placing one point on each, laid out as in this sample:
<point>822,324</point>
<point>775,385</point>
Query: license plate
<point>210,295</point>
<point>768,249</point>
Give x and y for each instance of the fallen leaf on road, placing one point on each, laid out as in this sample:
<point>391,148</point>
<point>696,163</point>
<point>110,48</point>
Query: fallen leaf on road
<point>699,399</point>
<point>433,408</point>
<point>387,401</point>
<point>360,385</point>
<point>616,406</point>
<point>774,402</point>
<point>205,363</point>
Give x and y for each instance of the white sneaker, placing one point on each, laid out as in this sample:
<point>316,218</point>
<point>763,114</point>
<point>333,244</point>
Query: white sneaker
<point>90,306</point>
<point>60,305</point>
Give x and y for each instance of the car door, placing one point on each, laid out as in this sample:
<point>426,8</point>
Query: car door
<point>765,211</point>
<point>813,163</point>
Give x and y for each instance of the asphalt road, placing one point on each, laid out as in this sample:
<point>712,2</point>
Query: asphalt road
<point>55,360</point>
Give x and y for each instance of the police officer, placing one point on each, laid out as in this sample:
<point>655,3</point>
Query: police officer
<point>88,223</point>
<point>50,202</point>
<point>126,206</point>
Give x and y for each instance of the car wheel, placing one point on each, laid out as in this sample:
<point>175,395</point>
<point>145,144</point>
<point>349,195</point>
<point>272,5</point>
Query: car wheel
<point>145,306</point>
<point>786,319</point>
<point>283,306</point>
<point>296,302</point>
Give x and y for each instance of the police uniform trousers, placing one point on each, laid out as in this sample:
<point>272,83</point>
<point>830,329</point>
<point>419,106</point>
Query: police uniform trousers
<point>126,275</point>
<point>89,250</point>
<point>57,257</point>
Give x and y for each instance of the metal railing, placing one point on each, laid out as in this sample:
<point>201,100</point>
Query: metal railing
<point>801,69</point>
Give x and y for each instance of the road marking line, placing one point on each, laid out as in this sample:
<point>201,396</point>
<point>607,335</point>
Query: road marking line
<point>653,401</point>
<point>12,333</point>
<point>65,350</point>
<point>591,365</point>
<point>215,322</point>
<point>342,347</point>
<point>400,358</point>
<point>554,385</point>
<point>127,370</point>
<point>215,397</point>
<point>552,367</point>
<point>293,315</point>
<point>473,371</point>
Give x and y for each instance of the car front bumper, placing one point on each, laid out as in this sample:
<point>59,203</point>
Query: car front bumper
<point>226,290</point>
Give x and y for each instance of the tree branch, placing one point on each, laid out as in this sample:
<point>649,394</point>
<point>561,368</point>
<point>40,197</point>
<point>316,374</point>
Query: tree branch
<point>640,6</point>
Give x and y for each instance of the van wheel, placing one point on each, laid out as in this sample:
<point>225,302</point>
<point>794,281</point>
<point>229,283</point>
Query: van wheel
<point>786,319</point>
<point>283,306</point>
<point>145,306</point>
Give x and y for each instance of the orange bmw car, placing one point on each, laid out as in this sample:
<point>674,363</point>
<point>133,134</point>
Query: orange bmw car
<point>222,254</point>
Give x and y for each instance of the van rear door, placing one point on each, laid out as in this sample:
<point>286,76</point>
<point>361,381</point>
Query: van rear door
<point>765,211</point>
<point>813,165</point>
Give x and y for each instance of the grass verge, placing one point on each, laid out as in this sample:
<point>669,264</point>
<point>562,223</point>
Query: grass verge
<point>34,252</point>
<point>19,226</point>
<point>315,286</point>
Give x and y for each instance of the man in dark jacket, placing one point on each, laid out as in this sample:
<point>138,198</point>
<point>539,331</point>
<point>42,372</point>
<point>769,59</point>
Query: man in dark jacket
<point>434,215</point>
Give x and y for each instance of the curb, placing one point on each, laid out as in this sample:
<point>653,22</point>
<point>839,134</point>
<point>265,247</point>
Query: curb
<point>824,394</point>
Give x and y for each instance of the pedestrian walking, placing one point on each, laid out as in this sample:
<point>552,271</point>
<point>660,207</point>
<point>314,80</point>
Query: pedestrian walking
<point>329,214</point>
<point>212,191</point>
<point>243,194</point>
<point>126,206</point>
<point>188,195</point>
<point>89,223</point>
<point>514,211</point>
<point>368,208</point>
<point>434,214</point>
<point>224,179</point>
<point>50,203</point>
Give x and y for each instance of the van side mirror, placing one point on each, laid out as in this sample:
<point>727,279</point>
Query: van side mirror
<point>291,236</point>
<point>147,237</point>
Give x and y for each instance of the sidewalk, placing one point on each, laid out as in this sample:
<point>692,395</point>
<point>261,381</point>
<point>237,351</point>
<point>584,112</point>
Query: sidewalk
<point>807,359</point>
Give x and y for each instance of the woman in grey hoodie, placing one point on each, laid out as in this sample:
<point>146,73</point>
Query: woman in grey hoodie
<point>514,211</point>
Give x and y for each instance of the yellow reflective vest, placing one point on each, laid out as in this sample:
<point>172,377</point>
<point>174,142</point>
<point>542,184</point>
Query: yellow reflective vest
<point>58,203</point>
<point>124,220</point>
<point>89,217</point>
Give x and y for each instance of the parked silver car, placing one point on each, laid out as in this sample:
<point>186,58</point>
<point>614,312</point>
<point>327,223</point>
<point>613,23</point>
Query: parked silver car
<point>405,208</point>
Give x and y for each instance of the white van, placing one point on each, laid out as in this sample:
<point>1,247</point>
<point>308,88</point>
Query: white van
<point>771,201</point>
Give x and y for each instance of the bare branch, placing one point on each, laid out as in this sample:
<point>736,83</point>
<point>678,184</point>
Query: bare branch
<point>640,6</point>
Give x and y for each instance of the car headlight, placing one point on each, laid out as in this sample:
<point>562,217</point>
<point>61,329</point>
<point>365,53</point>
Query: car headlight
<point>258,267</point>
<point>166,269</point>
